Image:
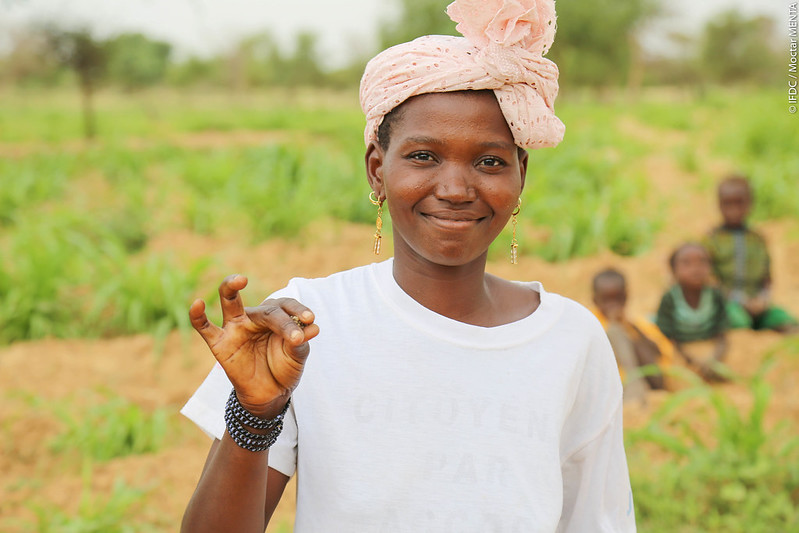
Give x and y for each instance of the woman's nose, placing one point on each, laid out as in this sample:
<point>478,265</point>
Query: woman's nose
<point>455,184</point>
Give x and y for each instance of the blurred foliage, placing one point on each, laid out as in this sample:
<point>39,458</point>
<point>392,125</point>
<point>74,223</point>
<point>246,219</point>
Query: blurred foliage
<point>80,225</point>
<point>135,61</point>
<point>79,51</point>
<point>66,272</point>
<point>87,58</point>
<point>735,48</point>
<point>594,53</point>
<point>743,476</point>
<point>113,428</point>
<point>589,194</point>
<point>114,511</point>
<point>760,138</point>
<point>259,61</point>
<point>414,19</point>
<point>730,48</point>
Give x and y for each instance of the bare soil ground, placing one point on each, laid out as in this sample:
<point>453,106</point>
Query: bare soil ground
<point>36,377</point>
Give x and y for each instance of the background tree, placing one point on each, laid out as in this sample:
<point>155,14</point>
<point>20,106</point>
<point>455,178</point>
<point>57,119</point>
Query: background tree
<point>261,59</point>
<point>734,48</point>
<point>28,61</point>
<point>196,71</point>
<point>135,61</point>
<point>680,67</point>
<point>79,51</point>
<point>302,67</point>
<point>597,43</point>
<point>416,18</point>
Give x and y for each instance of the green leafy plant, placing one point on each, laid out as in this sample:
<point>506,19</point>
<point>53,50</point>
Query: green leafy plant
<point>114,512</point>
<point>114,428</point>
<point>742,477</point>
<point>64,275</point>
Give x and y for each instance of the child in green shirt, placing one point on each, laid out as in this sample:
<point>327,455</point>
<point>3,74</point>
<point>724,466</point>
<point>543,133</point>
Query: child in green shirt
<point>692,311</point>
<point>741,263</point>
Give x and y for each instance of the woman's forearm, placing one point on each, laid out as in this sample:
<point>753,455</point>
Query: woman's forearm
<point>231,493</point>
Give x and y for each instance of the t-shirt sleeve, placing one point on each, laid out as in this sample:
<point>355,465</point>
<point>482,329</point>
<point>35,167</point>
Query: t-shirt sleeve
<point>283,453</point>
<point>206,408</point>
<point>596,483</point>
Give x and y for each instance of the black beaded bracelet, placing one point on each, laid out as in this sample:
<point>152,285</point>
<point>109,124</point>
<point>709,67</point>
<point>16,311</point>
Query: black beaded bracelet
<point>237,417</point>
<point>249,419</point>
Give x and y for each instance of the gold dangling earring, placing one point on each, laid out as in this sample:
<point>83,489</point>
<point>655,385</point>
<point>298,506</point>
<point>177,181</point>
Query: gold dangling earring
<point>379,223</point>
<point>514,258</point>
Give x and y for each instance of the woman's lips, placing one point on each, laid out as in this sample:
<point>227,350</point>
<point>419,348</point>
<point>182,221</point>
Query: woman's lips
<point>453,220</point>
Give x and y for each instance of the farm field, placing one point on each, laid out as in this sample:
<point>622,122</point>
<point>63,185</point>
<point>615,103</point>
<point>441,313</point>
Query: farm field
<point>104,244</point>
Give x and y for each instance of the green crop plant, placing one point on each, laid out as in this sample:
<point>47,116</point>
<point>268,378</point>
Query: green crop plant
<point>30,181</point>
<point>743,477</point>
<point>39,268</point>
<point>664,115</point>
<point>761,141</point>
<point>114,512</point>
<point>775,187</point>
<point>135,294</point>
<point>65,275</point>
<point>276,189</point>
<point>586,195</point>
<point>112,428</point>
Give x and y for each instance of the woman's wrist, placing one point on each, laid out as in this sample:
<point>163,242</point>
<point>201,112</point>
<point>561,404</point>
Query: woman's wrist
<point>264,410</point>
<point>251,432</point>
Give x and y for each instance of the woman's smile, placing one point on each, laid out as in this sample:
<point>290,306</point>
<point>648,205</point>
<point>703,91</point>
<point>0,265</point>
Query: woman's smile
<point>453,220</point>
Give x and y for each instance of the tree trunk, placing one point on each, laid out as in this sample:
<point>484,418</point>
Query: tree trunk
<point>635,74</point>
<point>87,97</point>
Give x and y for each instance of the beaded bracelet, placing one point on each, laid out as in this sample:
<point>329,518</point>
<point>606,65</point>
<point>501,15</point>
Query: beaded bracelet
<point>236,417</point>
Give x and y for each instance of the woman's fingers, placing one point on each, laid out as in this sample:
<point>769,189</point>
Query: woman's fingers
<point>286,317</point>
<point>210,332</point>
<point>295,308</point>
<point>230,299</point>
<point>308,333</point>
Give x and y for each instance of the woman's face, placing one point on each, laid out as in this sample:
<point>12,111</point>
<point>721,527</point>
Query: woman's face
<point>451,176</point>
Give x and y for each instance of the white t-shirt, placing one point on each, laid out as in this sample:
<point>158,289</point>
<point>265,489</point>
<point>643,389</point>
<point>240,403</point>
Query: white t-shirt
<point>406,420</point>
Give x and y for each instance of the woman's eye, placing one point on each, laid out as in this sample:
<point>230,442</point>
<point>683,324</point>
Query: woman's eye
<point>421,156</point>
<point>491,162</point>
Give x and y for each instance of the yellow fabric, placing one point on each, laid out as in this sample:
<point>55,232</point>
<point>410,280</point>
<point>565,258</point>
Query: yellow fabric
<point>649,330</point>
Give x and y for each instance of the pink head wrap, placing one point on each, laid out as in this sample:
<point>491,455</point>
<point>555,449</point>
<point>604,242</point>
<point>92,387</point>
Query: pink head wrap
<point>502,49</point>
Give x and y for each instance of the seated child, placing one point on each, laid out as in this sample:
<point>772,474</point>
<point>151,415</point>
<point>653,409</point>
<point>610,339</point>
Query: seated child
<point>741,263</point>
<point>692,311</point>
<point>636,341</point>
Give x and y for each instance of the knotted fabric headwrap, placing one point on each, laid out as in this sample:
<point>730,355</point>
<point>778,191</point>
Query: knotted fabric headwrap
<point>502,49</point>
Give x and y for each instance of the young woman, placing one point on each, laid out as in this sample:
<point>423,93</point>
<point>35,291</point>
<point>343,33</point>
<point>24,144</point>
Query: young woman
<point>426,394</point>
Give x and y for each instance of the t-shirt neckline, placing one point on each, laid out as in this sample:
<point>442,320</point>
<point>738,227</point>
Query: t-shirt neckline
<point>490,338</point>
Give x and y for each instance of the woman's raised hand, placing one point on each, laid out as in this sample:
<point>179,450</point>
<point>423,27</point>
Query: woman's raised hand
<point>262,349</point>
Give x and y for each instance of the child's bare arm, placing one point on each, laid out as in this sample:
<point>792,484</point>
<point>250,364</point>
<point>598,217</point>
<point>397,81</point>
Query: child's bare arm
<point>720,348</point>
<point>709,368</point>
<point>680,348</point>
